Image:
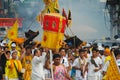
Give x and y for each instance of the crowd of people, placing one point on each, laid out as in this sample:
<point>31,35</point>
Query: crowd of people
<point>68,63</point>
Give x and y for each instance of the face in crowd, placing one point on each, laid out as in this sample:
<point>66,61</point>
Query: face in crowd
<point>62,52</point>
<point>81,53</point>
<point>56,59</point>
<point>95,53</point>
<point>37,52</point>
<point>14,55</point>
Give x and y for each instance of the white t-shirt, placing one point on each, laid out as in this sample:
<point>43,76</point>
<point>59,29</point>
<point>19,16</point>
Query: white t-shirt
<point>91,66</point>
<point>37,67</point>
<point>105,66</point>
<point>77,63</point>
<point>64,61</point>
<point>103,59</point>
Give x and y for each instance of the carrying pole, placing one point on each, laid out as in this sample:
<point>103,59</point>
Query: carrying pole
<point>51,58</point>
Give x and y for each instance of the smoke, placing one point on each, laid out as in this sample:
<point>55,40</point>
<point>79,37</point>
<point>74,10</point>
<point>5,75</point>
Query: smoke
<point>28,10</point>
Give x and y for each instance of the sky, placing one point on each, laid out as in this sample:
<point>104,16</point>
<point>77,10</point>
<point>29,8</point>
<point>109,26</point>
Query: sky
<point>89,20</point>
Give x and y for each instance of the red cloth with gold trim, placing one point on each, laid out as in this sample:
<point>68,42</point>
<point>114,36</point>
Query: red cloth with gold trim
<point>54,26</point>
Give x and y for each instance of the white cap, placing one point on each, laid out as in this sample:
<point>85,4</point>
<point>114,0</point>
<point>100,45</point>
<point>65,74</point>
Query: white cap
<point>13,45</point>
<point>4,41</point>
<point>87,45</point>
<point>1,44</point>
<point>100,48</point>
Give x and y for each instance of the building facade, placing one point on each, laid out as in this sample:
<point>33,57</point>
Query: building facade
<point>113,7</point>
<point>8,15</point>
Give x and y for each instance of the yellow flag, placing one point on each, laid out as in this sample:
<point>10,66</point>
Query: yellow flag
<point>13,31</point>
<point>49,39</point>
<point>113,70</point>
<point>52,40</point>
<point>53,34</point>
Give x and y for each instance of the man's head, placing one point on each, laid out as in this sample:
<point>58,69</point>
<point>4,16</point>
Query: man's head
<point>81,53</point>
<point>37,52</point>
<point>107,52</point>
<point>28,50</point>
<point>95,52</point>
<point>56,59</point>
<point>13,46</point>
<point>62,52</point>
<point>14,54</point>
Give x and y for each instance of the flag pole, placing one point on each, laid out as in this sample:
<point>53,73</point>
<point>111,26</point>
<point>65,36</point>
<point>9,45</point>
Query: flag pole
<point>51,58</point>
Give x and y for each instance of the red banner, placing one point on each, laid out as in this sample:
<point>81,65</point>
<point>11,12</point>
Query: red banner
<point>52,23</point>
<point>10,21</point>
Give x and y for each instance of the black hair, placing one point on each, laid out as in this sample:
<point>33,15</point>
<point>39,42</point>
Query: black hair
<point>61,49</point>
<point>5,47</point>
<point>7,52</point>
<point>14,52</point>
<point>95,49</point>
<point>28,47</point>
<point>81,50</point>
<point>41,49</point>
<point>56,56</point>
<point>106,46</point>
<point>35,51</point>
<point>116,52</point>
<point>13,43</point>
<point>39,45</point>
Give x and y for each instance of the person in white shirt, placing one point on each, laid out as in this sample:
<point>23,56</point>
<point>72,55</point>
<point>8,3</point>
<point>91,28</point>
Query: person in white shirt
<point>94,65</point>
<point>106,62</point>
<point>13,48</point>
<point>38,65</point>
<point>64,59</point>
<point>79,65</point>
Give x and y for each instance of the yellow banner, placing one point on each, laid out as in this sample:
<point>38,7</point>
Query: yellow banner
<point>13,31</point>
<point>113,70</point>
<point>52,40</point>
